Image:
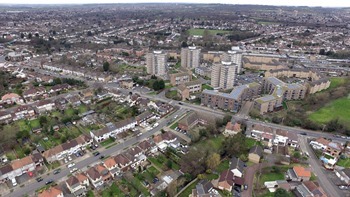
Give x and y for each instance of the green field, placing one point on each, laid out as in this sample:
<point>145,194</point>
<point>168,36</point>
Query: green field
<point>200,32</point>
<point>344,163</point>
<point>336,109</point>
<point>337,81</point>
<point>207,87</point>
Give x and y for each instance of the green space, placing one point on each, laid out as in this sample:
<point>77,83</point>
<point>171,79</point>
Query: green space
<point>162,162</point>
<point>224,165</point>
<point>173,126</point>
<point>272,174</point>
<point>337,81</point>
<point>69,112</point>
<point>344,162</point>
<point>337,109</point>
<point>211,176</point>
<point>23,125</point>
<point>107,142</point>
<point>250,142</point>
<point>215,143</point>
<point>172,95</point>
<point>188,190</point>
<point>113,190</point>
<point>35,123</point>
<point>82,109</point>
<point>149,174</point>
<point>168,86</point>
<point>207,87</point>
<point>200,32</point>
<point>153,170</point>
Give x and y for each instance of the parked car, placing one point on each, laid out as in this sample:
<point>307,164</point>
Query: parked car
<point>65,160</point>
<point>155,180</point>
<point>344,187</point>
<point>69,158</point>
<point>96,153</point>
<point>39,179</point>
<point>73,170</point>
<point>71,165</point>
<point>14,182</point>
<point>303,133</point>
<point>102,157</point>
<point>56,171</point>
<point>77,154</point>
<point>49,182</point>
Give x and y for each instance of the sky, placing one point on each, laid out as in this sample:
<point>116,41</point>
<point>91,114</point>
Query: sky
<point>323,3</point>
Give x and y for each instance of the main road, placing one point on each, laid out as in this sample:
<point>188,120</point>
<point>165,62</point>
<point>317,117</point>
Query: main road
<point>30,187</point>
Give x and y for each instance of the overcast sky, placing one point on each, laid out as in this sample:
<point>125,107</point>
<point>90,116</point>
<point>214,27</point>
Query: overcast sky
<point>324,3</point>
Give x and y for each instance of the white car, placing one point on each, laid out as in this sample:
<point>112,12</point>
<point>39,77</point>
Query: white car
<point>69,158</point>
<point>65,160</point>
<point>14,182</point>
<point>71,165</point>
<point>73,170</point>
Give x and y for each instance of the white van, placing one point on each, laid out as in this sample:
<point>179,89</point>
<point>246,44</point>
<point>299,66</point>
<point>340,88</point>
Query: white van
<point>14,182</point>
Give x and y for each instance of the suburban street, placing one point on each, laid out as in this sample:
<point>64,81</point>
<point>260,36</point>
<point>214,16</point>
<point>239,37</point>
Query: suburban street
<point>30,187</point>
<point>329,187</point>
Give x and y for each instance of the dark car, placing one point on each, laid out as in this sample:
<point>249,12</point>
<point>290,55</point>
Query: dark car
<point>96,153</point>
<point>49,182</point>
<point>303,133</point>
<point>155,180</point>
<point>56,171</point>
<point>102,156</point>
<point>39,179</point>
<point>180,103</point>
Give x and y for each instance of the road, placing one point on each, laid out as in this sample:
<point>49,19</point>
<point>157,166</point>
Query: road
<point>30,187</point>
<point>330,188</point>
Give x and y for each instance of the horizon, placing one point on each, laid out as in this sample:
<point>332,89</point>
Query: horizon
<point>296,3</point>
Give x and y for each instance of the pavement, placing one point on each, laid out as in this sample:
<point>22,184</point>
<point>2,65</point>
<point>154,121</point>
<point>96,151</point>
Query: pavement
<point>323,176</point>
<point>30,187</point>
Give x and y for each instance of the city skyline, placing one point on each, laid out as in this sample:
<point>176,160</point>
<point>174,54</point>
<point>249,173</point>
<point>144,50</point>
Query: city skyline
<point>312,3</point>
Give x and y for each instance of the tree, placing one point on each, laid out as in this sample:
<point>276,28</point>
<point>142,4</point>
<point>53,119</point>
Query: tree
<point>42,120</point>
<point>235,145</point>
<point>169,164</point>
<point>213,160</point>
<point>106,66</point>
<point>171,190</point>
<point>280,192</point>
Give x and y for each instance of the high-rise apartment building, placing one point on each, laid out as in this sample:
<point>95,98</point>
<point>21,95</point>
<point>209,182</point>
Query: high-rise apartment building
<point>234,55</point>
<point>190,57</point>
<point>223,75</point>
<point>156,63</point>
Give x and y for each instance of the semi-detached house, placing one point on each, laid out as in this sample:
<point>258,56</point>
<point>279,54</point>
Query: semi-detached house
<point>68,148</point>
<point>111,130</point>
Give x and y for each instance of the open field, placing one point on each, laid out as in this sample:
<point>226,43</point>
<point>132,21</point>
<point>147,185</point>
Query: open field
<point>200,32</point>
<point>336,82</point>
<point>336,109</point>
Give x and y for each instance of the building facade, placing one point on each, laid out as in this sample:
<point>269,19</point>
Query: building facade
<point>156,63</point>
<point>223,75</point>
<point>190,57</point>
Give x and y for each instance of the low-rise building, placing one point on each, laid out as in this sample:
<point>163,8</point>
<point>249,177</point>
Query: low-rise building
<point>255,154</point>
<point>299,173</point>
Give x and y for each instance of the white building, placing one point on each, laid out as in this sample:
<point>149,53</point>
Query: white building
<point>223,75</point>
<point>156,63</point>
<point>190,57</point>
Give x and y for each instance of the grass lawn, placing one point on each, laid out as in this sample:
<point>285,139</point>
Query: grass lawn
<point>69,112</point>
<point>224,165</point>
<point>344,163</point>
<point>250,142</point>
<point>200,32</point>
<point>207,87</point>
<point>174,125</point>
<point>336,109</point>
<point>211,176</point>
<point>23,125</point>
<point>19,152</point>
<point>188,190</point>
<point>82,109</point>
<point>168,85</point>
<point>157,162</point>
<point>337,81</point>
<point>35,123</point>
<point>10,155</point>
<point>214,143</point>
<point>153,170</point>
<point>271,177</point>
<point>113,190</point>
<point>107,142</point>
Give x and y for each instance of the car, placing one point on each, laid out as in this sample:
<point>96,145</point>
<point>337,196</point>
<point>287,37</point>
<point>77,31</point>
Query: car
<point>73,170</point>
<point>14,182</point>
<point>39,179</point>
<point>343,187</point>
<point>96,153</point>
<point>69,158</point>
<point>155,180</point>
<point>245,186</point>
<point>77,154</point>
<point>102,156</point>
<point>65,160</point>
<point>49,182</point>
<point>71,165</point>
<point>81,153</point>
<point>180,103</point>
<point>57,171</point>
<point>93,147</point>
<point>303,133</point>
